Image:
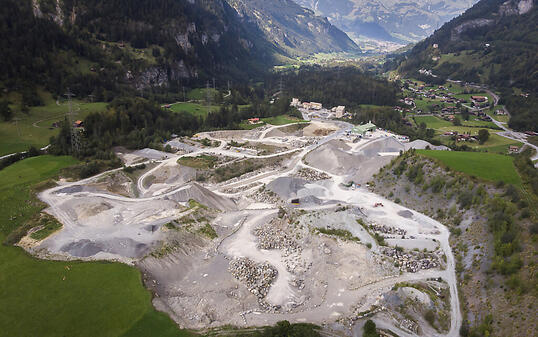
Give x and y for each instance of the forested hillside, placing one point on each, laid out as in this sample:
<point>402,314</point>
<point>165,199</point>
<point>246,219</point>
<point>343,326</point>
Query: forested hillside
<point>496,43</point>
<point>340,86</point>
<point>97,46</point>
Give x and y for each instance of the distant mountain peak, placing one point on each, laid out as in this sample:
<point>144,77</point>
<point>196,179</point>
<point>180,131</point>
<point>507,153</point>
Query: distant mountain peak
<point>294,30</point>
<point>392,21</point>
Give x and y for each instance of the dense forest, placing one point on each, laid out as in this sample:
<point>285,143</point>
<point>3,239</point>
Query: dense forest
<point>338,86</point>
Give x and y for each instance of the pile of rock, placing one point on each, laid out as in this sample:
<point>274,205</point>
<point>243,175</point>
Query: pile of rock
<point>271,236</point>
<point>411,261</point>
<point>266,196</point>
<point>387,229</point>
<point>234,190</point>
<point>311,175</point>
<point>257,277</point>
<point>409,325</point>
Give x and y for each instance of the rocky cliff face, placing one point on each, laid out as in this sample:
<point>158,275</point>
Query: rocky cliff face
<point>293,30</point>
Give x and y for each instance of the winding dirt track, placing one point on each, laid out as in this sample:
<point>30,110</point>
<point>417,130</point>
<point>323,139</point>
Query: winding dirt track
<point>448,275</point>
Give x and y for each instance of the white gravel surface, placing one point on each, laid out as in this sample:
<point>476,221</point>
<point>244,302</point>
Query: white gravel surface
<point>340,277</point>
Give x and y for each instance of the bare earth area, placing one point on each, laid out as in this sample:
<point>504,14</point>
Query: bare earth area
<point>291,234</point>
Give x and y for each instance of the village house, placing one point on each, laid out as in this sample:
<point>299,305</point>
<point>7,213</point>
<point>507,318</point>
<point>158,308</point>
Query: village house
<point>316,106</point>
<point>340,111</point>
<point>255,120</point>
<point>479,99</point>
<point>513,149</point>
<point>312,106</point>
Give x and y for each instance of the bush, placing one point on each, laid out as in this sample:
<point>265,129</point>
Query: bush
<point>437,184</point>
<point>429,316</point>
<point>89,170</point>
<point>465,199</point>
<point>370,329</point>
<point>284,328</point>
<point>513,193</point>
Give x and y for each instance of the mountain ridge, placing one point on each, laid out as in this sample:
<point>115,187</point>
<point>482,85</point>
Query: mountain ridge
<point>387,20</point>
<point>494,43</point>
<point>97,47</point>
<point>294,30</point>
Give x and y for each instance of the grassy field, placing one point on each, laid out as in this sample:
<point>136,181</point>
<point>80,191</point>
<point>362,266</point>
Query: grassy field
<point>200,162</point>
<point>282,120</point>
<point>479,123</point>
<point>488,166</point>
<point>436,123</point>
<point>467,97</point>
<point>200,94</point>
<point>245,125</point>
<point>35,128</point>
<point>432,122</point>
<point>51,298</point>
<point>501,118</point>
<point>495,143</point>
<point>194,108</point>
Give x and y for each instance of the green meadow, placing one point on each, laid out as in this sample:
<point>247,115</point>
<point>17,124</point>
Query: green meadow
<point>65,298</point>
<point>35,128</point>
<point>488,166</point>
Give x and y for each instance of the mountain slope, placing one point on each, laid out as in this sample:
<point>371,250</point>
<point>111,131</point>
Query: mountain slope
<point>96,45</point>
<point>388,20</point>
<point>496,43</point>
<point>294,31</point>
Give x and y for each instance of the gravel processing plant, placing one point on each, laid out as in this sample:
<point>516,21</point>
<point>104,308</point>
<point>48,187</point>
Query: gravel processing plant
<point>248,228</point>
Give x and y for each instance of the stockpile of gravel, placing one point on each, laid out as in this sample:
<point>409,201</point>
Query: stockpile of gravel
<point>257,277</point>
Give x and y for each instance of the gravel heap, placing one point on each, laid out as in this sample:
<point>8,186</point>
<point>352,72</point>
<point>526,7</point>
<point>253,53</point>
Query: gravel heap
<point>387,229</point>
<point>234,190</point>
<point>311,175</point>
<point>411,261</point>
<point>266,196</point>
<point>257,277</point>
<point>271,236</point>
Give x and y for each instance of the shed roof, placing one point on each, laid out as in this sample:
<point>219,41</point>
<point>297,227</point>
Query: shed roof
<point>365,127</point>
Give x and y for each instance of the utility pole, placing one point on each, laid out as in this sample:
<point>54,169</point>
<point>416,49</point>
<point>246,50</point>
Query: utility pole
<point>75,140</point>
<point>208,95</point>
<point>213,83</point>
<point>17,125</point>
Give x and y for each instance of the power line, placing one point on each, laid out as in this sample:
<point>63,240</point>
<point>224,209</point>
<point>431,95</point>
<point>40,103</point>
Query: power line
<point>75,136</point>
<point>208,95</point>
<point>281,86</point>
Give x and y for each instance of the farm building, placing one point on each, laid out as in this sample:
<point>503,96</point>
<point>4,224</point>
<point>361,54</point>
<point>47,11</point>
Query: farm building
<point>479,99</point>
<point>513,149</point>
